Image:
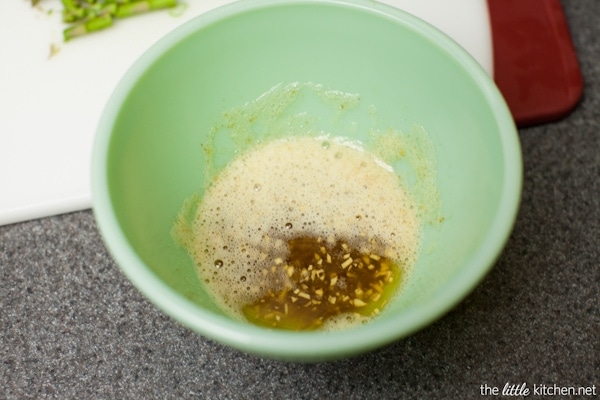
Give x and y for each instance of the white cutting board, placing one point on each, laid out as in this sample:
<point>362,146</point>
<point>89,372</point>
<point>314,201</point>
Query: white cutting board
<point>49,107</point>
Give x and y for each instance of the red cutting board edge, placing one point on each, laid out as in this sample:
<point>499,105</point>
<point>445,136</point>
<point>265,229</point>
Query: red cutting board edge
<point>535,63</point>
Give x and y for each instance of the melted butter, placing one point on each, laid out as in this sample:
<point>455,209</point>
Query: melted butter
<point>265,211</point>
<point>293,190</point>
<point>322,281</point>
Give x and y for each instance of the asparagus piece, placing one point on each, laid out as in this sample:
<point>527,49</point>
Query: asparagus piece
<point>86,16</point>
<point>137,7</point>
<point>91,25</point>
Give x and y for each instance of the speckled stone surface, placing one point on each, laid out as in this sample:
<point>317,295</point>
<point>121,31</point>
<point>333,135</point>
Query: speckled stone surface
<point>72,326</point>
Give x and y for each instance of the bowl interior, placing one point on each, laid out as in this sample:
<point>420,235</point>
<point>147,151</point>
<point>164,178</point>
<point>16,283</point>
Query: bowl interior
<point>149,158</point>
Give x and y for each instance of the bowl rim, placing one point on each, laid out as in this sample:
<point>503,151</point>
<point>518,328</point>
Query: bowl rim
<point>309,346</point>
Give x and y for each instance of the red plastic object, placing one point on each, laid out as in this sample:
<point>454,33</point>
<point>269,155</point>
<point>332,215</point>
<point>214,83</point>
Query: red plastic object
<point>535,64</point>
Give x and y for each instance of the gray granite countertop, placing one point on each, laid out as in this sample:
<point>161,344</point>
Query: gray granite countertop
<point>72,326</point>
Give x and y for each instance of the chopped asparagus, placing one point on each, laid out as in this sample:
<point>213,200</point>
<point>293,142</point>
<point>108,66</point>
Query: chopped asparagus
<point>137,7</point>
<point>90,25</point>
<point>86,16</point>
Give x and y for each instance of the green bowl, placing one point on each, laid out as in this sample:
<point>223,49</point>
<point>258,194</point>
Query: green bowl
<point>148,156</point>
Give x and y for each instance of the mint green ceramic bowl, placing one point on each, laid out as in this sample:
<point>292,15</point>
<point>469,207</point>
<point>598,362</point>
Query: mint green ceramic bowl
<point>147,157</point>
